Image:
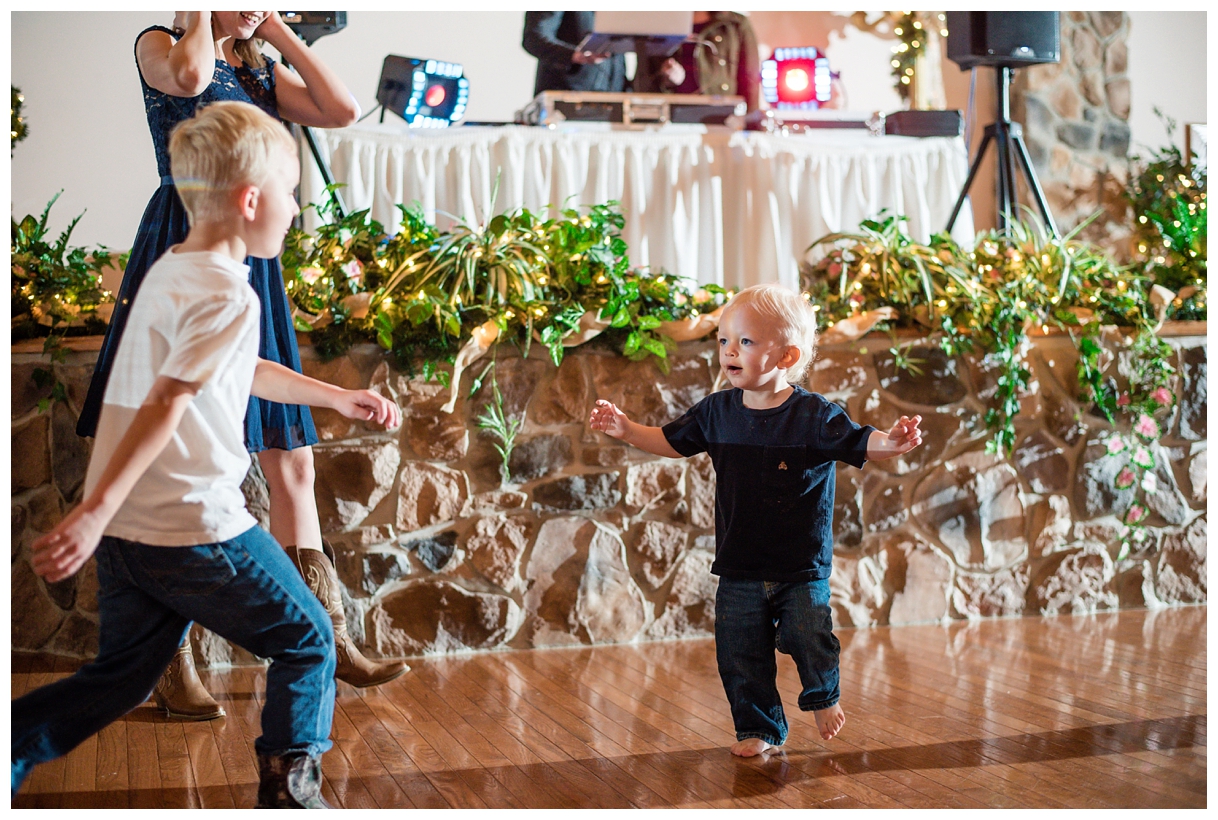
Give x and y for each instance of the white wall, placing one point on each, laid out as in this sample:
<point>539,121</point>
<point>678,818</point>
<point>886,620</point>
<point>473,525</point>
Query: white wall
<point>1167,69</point>
<point>89,135</point>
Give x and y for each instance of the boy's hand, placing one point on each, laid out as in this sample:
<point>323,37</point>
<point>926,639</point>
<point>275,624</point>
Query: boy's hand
<point>368,405</point>
<point>608,419</point>
<point>905,435</point>
<point>63,550</point>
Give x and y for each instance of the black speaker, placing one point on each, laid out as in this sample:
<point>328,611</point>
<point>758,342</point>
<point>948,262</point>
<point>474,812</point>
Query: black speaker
<point>1003,38</point>
<point>311,26</point>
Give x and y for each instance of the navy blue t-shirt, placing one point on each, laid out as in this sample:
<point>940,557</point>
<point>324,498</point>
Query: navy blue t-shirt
<point>775,472</point>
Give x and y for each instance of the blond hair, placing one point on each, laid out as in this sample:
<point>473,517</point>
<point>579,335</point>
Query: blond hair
<point>791,317</point>
<point>224,146</point>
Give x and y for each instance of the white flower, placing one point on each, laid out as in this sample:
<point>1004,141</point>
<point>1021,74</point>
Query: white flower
<point>1149,483</point>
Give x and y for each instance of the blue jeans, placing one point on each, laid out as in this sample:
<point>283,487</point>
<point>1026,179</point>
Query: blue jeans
<point>752,619</point>
<point>246,590</point>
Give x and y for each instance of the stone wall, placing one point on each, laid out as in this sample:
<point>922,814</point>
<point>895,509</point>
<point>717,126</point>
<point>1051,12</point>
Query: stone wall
<point>593,542</point>
<point>1076,124</point>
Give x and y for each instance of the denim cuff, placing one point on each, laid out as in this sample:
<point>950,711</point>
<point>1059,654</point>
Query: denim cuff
<point>311,749</point>
<point>767,738</point>
<point>823,704</point>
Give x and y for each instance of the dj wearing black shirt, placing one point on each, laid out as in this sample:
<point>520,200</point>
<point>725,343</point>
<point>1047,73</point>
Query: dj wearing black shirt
<point>552,37</point>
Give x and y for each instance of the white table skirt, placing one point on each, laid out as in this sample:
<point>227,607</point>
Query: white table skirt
<point>727,208</point>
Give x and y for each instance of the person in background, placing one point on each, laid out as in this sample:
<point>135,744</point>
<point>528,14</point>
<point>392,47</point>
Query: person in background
<point>204,58</point>
<point>719,59</point>
<point>552,37</point>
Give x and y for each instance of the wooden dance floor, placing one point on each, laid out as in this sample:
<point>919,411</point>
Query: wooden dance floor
<point>1074,711</point>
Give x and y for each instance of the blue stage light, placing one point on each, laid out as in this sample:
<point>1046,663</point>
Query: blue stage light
<point>425,93</point>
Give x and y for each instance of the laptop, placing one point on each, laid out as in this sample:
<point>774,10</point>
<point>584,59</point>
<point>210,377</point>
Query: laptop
<point>660,33</point>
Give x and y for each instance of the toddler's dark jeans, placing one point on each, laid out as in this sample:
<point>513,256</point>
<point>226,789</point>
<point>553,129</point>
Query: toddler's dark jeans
<point>752,619</point>
<point>246,590</point>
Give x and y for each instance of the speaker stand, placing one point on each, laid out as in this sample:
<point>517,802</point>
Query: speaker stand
<point>339,207</point>
<point>1012,151</point>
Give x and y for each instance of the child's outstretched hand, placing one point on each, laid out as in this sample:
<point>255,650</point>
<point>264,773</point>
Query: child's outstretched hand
<point>608,419</point>
<point>368,405</point>
<point>905,435</point>
<point>63,550</point>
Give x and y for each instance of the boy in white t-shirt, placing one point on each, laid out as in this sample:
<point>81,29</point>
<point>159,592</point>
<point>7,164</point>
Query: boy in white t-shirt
<point>163,490</point>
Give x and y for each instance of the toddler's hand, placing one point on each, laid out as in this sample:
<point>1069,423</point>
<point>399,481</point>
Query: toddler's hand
<point>905,435</point>
<point>368,405</point>
<point>608,419</point>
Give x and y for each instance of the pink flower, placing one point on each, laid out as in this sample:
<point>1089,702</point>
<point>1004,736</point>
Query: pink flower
<point>1143,458</point>
<point>310,274</point>
<point>354,270</point>
<point>1124,479</point>
<point>1115,445</point>
<point>1123,401</point>
<point>1162,396</point>
<point>1146,427</point>
<point>1136,513</point>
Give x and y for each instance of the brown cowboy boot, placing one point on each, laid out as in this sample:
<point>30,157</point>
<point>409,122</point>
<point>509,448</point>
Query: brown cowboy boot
<point>291,781</point>
<point>317,569</point>
<point>180,693</point>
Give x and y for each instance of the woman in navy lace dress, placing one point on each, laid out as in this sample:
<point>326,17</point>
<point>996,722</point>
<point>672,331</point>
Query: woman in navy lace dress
<point>210,56</point>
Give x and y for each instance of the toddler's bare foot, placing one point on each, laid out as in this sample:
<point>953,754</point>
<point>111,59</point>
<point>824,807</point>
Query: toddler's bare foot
<point>830,721</point>
<point>751,747</point>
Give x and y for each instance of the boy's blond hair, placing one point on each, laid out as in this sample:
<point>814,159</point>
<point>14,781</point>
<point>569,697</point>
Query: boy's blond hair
<point>224,146</point>
<point>791,316</point>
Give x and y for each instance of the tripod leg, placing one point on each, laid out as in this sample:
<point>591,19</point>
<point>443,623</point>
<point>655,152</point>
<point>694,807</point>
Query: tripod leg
<point>968,183</point>
<point>1006,187</point>
<point>324,167</point>
<point>1034,184</point>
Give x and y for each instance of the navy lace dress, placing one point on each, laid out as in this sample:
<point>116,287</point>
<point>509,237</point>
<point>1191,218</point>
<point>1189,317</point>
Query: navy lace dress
<point>268,425</point>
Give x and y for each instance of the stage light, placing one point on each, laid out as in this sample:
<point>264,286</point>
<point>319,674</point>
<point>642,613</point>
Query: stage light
<point>796,78</point>
<point>425,93</point>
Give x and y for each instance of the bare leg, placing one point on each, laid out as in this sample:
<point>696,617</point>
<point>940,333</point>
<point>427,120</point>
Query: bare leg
<point>751,747</point>
<point>830,721</point>
<point>289,480</point>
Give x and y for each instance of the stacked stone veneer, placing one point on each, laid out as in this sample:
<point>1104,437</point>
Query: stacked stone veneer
<point>1076,123</point>
<point>595,542</point>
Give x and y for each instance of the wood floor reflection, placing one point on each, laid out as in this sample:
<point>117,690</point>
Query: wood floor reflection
<point>1075,711</point>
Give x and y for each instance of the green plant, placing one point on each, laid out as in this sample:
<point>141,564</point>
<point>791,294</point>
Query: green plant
<point>1140,410</point>
<point>985,299</point>
<point>56,290</point>
<point>1168,198</point>
<point>901,360</point>
<point>421,292</point>
<point>498,424</point>
<point>18,130</point>
<point>910,29</point>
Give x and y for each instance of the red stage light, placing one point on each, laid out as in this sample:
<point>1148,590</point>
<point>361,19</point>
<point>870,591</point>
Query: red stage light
<point>435,95</point>
<point>795,80</point>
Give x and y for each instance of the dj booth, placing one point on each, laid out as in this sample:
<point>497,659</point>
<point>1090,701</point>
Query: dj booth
<point>720,206</point>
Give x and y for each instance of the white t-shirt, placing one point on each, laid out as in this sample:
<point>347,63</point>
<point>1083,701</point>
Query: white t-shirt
<point>195,319</point>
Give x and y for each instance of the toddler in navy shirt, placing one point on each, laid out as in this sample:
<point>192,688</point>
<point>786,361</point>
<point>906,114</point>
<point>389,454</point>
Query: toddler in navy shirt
<point>774,446</point>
